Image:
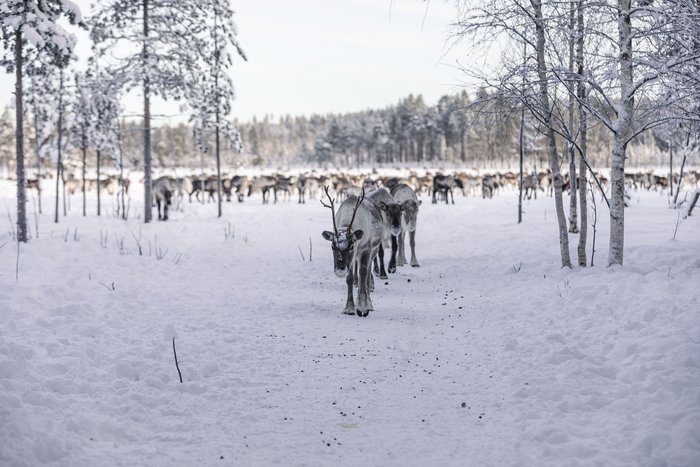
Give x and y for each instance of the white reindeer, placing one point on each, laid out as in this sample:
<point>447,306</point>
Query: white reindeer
<point>163,193</point>
<point>355,240</point>
<point>391,219</point>
<point>406,197</point>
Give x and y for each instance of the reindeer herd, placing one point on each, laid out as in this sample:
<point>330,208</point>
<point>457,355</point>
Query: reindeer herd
<point>375,213</point>
<point>438,186</point>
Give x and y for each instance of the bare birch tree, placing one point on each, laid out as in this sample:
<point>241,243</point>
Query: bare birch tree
<point>509,19</point>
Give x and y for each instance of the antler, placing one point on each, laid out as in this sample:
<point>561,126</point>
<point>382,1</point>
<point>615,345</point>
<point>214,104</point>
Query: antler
<point>357,205</point>
<point>331,207</point>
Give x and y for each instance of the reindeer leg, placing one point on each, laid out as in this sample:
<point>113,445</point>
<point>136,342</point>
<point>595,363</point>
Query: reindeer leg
<point>364,304</point>
<point>412,241</point>
<point>349,303</point>
<point>392,261</point>
<point>382,271</point>
<point>402,249</point>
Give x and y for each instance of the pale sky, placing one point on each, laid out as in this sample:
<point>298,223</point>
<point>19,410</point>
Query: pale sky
<point>319,56</point>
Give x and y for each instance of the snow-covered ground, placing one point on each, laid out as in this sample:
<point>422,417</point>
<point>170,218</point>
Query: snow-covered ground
<point>488,354</point>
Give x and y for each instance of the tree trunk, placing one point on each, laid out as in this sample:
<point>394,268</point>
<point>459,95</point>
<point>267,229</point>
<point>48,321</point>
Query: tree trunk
<point>583,143</point>
<point>148,198</point>
<point>59,162</point>
<point>670,173</point>
<point>218,113</point>
<point>36,149</point>
<point>83,142</point>
<point>552,143</point>
<point>521,144</point>
<point>573,215</point>
<point>620,137</point>
<point>122,181</point>
<point>99,185</point>
<point>19,143</point>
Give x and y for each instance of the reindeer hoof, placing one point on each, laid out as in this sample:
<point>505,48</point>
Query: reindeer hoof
<point>392,269</point>
<point>383,276</point>
<point>349,311</point>
<point>415,265</point>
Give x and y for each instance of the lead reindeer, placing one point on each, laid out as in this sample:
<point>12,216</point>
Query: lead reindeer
<point>355,240</point>
<point>406,197</point>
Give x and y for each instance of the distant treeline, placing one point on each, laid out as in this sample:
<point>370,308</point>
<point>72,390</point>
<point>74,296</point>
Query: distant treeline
<point>457,132</point>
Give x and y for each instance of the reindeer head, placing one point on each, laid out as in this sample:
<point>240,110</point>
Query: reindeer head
<point>342,241</point>
<point>410,214</point>
<point>393,210</point>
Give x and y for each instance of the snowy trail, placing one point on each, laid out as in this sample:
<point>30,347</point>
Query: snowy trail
<point>488,354</point>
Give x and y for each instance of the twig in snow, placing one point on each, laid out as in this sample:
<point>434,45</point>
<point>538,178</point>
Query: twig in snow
<point>302,254</point>
<point>106,286</point>
<point>518,268</point>
<point>160,254</point>
<point>120,244</point>
<point>229,231</point>
<point>595,220</point>
<point>138,241</point>
<point>103,239</point>
<point>310,249</point>
<point>677,224</point>
<point>177,364</point>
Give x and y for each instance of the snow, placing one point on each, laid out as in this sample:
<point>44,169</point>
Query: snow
<point>488,354</point>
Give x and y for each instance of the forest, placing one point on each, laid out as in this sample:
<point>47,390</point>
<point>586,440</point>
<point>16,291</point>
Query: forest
<point>456,133</point>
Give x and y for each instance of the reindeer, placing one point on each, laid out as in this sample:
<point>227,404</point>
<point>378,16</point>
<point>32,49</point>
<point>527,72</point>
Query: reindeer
<point>530,185</point>
<point>406,197</point>
<point>445,184</point>
<point>355,240</point>
<point>489,184</point>
<point>391,221</point>
<point>239,182</point>
<point>203,184</point>
<point>308,184</point>
<point>301,187</point>
<point>181,186</point>
<point>264,184</point>
<point>163,189</point>
<point>284,185</point>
